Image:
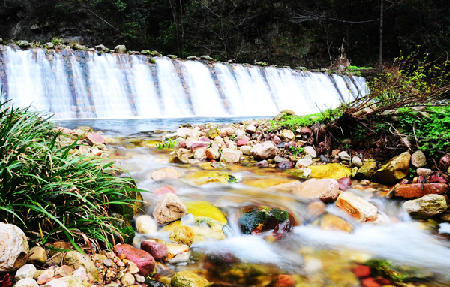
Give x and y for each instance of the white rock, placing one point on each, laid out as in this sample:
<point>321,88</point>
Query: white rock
<point>145,224</point>
<point>357,207</point>
<point>67,281</point>
<point>251,129</point>
<point>311,151</point>
<point>245,149</point>
<point>81,272</point>
<point>356,161</point>
<point>139,278</point>
<point>169,208</point>
<point>200,153</point>
<point>27,282</point>
<point>304,162</point>
<point>13,247</point>
<point>343,155</point>
<point>26,271</point>
<point>127,279</point>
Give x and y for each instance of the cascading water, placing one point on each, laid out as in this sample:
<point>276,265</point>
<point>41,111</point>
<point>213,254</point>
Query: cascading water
<point>80,84</point>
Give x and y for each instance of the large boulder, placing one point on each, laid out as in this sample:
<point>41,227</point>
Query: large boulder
<point>76,260</point>
<point>144,261</point>
<point>265,150</point>
<point>188,279</point>
<point>427,206</point>
<point>397,168</point>
<point>417,190</point>
<point>168,209</point>
<point>13,248</point>
<point>357,207</point>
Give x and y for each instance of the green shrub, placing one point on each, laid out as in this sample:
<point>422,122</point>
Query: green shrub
<point>294,122</point>
<point>50,192</point>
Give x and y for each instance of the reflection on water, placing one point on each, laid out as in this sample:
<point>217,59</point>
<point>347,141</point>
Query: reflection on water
<point>310,255</point>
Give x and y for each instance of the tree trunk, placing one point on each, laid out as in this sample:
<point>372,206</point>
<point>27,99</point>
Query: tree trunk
<point>380,52</point>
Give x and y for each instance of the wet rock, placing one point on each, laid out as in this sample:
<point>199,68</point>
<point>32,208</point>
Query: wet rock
<point>37,255</point>
<point>188,279</point>
<point>13,247</point>
<point>417,190</point>
<point>204,208</point>
<point>127,280</point>
<point>164,173</point>
<point>368,168</point>
<point>257,221</point>
<point>324,158</point>
<point>182,234</point>
<point>177,252</point>
<point>426,206</point>
<point>120,49</point>
<point>163,190</point>
<point>168,209</point>
<point>316,208</point>
<point>344,183</point>
<point>418,159</point>
<point>262,164</point>
<point>200,153</point>
<point>444,162</point>
<point>331,170</point>
<point>159,251</point>
<point>142,259</point>
<point>303,173</point>
<point>145,224</point>
<point>153,283</point>
<point>265,150</point>
<point>101,48</point>
<point>26,271</point>
<point>284,165</point>
<point>230,155</point>
<point>362,271</point>
<point>316,188</point>
<point>333,222</point>
<point>204,177</point>
<point>81,272</point>
<point>310,151</point>
<point>357,207</point>
<point>212,153</point>
<point>27,282</point>
<point>288,134</point>
<point>284,280</point>
<point>76,260</point>
<point>397,168</point>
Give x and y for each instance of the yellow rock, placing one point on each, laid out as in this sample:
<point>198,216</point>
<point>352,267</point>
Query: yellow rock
<point>204,177</point>
<point>204,208</point>
<point>331,170</point>
<point>182,234</point>
<point>151,143</point>
<point>266,182</point>
<point>333,222</point>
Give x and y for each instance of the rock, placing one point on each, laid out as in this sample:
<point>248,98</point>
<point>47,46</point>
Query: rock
<point>369,282</point>
<point>45,276</point>
<point>68,281</point>
<point>283,113</point>
<point>245,150</point>
<point>127,280</point>
<point>199,144</point>
<point>251,129</point>
<point>153,283</point>
<point>368,168</point>
<point>63,271</point>
<point>276,140</point>
<point>311,151</point>
<point>23,44</point>
<point>212,133</point>
<point>76,260</point>
<point>188,279</point>
<point>344,183</point>
<point>258,221</point>
<point>331,170</point>
<point>333,222</point>
<point>164,173</point>
<point>302,173</point>
<point>424,172</point>
<point>316,208</point>
<point>120,49</point>
<point>242,143</point>
<point>265,150</point>
<point>288,134</point>
<point>262,164</point>
<point>397,168</point>
<point>204,208</point>
<point>230,155</point>
<point>142,259</point>
<point>284,165</point>
<point>179,252</point>
<point>101,48</point>
<point>304,162</point>
<point>200,153</point>
<point>417,190</point>
<point>418,159</point>
<point>27,282</point>
<point>163,190</point>
<point>344,156</point>
<point>81,272</point>
<point>159,251</point>
<point>26,271</point>
<point>357,207</point>
<point>284,280</point>
<point>139,278</point>
<point>182,234</point>
<point>444,162</point>
<point>212,153</point>
<point>356,161</point>
<point>37,255</point>
<point>362,271</point>
<point>315,188</point>
<point>169,209</point>
<point>204,177</point>
<point>13,247</point>
<point>145,224</point>
<point>427,206</point>
<point>279,159</point>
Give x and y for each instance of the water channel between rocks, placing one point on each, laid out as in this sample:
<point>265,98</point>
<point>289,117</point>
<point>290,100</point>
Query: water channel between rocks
<point>313,255</point>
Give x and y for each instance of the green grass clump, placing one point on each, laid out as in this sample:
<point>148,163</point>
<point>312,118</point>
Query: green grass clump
<point>294,122</point>
<point>50,192</point>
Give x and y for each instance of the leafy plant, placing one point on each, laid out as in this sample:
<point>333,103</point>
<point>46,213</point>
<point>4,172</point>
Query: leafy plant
<point>296,150</point>
<point>170,143</point>
<point>294,122</point>
<point>50,192</point>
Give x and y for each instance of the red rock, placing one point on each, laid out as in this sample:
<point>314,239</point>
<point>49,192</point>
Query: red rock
<point>182,144</point>
<point>242,142</point>
<point>163,190</point>
<point>157,250</point>
<point>415,190</point>
<point>444,162</point>
<point>205,139</point>
<point>144,261</point>
<point>95,139</point>
<point>362,271</point>
<point>276,139</point>
<point>369,282</point>
<point>262,164</point>
<point>198,144</point>
<point>285,280</point>
<point>383,281</point>
<point>344,183</point>
<point>306,131</point>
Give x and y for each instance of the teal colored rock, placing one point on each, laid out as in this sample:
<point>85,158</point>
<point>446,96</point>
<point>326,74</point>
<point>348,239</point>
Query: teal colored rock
<point>262,220</point>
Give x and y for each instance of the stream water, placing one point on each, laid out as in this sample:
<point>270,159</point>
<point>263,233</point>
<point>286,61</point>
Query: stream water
<point>308,253</point>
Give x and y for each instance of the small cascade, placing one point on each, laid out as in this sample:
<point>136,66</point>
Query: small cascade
<point>82,84</point>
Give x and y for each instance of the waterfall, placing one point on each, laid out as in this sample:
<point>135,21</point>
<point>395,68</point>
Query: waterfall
<point>82,84</point>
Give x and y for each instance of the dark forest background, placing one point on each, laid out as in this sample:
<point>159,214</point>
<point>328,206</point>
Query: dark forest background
<point>283,32</point>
